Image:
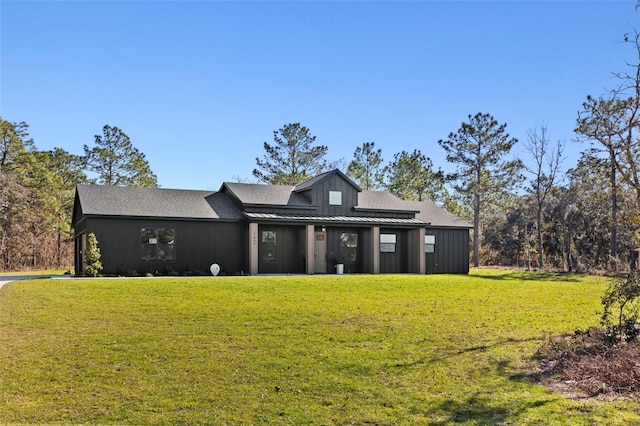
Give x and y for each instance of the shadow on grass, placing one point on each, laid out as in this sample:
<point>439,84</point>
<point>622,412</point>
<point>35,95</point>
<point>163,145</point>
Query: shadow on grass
<point>480,410</point>
<point>503,370</point>
<point>479,348</point>
<point>528,276</point>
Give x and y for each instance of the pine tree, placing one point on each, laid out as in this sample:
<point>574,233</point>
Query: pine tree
<point>292,159</point>
<point>478,149</point>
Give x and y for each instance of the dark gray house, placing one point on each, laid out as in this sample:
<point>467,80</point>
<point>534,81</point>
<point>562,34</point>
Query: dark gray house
<point>268,229</point>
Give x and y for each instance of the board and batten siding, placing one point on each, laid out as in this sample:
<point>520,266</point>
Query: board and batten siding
<point>320,197</point>
<point>395,262</point>
<point>451,254</point>
<point>197,245</point>
<point>333,249</point>
<point>289,250</point>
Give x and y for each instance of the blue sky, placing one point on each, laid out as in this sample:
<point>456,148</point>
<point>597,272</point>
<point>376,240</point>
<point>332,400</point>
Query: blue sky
<point>200,85</point>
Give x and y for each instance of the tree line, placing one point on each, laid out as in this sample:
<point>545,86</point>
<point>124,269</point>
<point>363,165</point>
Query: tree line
<point>525,212</point>
<point>37,190</point>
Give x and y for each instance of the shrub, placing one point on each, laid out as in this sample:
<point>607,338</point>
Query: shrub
<point>132,273</point>
<point>621,303</point>
<point>93,265</point>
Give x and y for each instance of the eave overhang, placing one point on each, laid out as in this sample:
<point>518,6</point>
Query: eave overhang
<point>369,209</point>
<point>164,218</point>
<point>280,206</point>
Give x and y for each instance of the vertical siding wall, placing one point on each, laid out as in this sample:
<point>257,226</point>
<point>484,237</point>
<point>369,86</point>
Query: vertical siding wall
<point>197,245</point>
<point>333,250</point>
<point>320,193</point>
<point>451,252</point>
<point>395,263</point>
<point>290,250</point>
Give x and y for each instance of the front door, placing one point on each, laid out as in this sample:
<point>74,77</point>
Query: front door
<point>320,253</point>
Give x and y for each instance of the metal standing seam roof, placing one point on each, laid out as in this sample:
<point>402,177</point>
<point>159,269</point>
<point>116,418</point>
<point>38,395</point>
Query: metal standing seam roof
<point>334,219</point>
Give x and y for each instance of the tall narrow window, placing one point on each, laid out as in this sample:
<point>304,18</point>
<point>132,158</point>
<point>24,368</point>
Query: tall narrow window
<point>157,244</point>
<point>269,246</point>
<point>348,247</point>
<point>429,243</point>
<point>387,243</point>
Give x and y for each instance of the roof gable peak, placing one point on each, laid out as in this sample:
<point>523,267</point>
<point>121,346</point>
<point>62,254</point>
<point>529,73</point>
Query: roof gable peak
<point>308,184</point>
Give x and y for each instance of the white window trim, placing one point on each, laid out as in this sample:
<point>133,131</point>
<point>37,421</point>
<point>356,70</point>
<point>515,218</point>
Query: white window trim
<point>335,198</point>
<point>387,243</point>
<point>429,243</point>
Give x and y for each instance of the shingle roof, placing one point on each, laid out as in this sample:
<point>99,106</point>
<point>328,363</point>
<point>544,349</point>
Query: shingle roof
<point>250,193</point>
<point>425,211</point>
<point>155,202</point>
<point>435,215</point>
<point>274,195</point>
<point>381,200</point>
<point>191,204</point>
<point>311,182</point>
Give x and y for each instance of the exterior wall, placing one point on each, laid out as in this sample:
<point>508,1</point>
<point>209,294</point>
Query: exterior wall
<point>197,245</point>
<point>290,249</point>
<point>320,196</point>
<point>451,254</point>
<point>333,250</point>
<point>396,262</point>
<point>370,250</point>
<point>414,249</point>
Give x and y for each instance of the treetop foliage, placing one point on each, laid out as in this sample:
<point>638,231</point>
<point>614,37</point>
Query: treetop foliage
<point>117,162</point>
<point>37,190</point>
<point>366,167</point>
<point>411,177</point>
<point>293,158</point>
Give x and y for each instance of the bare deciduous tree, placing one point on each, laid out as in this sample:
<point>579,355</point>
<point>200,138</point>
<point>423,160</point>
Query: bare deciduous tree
<point>543,166</point>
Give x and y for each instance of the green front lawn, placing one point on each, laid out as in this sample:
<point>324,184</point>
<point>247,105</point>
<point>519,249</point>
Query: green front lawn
<point>362,349</point>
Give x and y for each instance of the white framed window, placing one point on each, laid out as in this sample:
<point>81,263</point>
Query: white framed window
<point>429,243</point>
<point>335,198</point>
<point>387,243</point>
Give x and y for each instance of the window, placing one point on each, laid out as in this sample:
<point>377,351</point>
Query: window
<point>348,247</point>
<point>269,246</point>
<point>157,244</point>
<point>429,243</point>
<point>335,198</point>
<point>387,243</point>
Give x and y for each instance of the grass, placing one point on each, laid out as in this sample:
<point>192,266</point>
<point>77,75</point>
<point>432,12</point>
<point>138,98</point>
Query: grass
<point>362,349</point>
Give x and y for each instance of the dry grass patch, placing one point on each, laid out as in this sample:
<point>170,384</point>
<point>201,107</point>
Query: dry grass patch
<point>588,365</point>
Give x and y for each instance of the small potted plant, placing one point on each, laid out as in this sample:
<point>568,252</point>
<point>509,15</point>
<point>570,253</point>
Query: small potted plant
<point>340,261</point>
